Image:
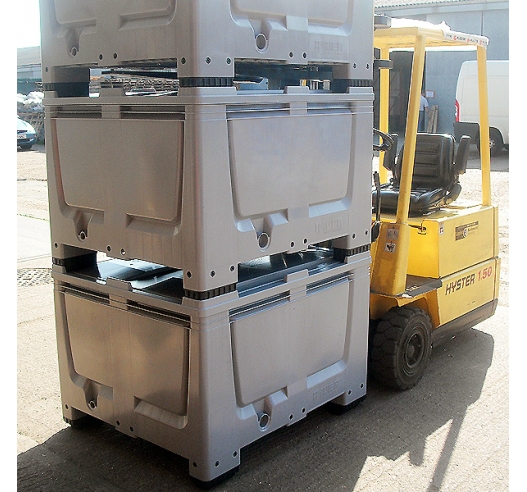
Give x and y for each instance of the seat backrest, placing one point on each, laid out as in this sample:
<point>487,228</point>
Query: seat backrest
<point>390,155</point>
<point>434,162</point>
<point>462,154</point>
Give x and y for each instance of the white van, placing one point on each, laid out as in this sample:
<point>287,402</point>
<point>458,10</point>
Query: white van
<point>467,111</point>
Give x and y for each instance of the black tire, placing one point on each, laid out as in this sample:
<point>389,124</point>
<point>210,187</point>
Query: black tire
<point>495,141</point>
<point>400,347</point>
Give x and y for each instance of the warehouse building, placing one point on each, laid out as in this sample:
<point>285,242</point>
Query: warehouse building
<point>29,69</point>
<point>486,17</point>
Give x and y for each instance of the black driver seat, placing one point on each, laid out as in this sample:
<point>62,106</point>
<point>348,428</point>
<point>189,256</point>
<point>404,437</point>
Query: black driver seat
<point>435,181</point>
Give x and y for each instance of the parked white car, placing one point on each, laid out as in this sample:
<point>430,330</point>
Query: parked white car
<point>26,136</point>
<point>467,108</point>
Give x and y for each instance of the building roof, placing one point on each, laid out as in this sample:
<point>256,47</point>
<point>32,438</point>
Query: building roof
<point>424,3</point>
<point>28,56</point>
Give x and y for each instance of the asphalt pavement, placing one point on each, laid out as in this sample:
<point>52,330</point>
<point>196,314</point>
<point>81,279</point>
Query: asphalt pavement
<point>449,433</point>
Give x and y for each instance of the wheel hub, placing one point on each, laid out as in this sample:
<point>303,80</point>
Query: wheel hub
<point>414,350</point>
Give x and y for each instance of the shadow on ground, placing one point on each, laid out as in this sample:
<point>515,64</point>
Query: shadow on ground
<point>324,452</point>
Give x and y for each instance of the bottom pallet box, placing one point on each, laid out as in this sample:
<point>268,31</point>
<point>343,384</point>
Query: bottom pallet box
<point>205,378</point>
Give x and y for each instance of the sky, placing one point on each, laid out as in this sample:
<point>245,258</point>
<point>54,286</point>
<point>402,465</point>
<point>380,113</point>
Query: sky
<point>28,31</point>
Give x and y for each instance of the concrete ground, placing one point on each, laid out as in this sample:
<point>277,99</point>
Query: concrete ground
<point>449,433</point>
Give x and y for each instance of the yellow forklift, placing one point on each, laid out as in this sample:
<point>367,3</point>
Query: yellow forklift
<point>435,265</point>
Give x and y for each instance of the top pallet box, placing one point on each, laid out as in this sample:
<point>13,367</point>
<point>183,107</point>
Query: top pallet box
<point>206,38</point>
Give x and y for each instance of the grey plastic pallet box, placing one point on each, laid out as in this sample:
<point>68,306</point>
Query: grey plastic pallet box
<point>203,37</point>
<point>210,178</point>
<point>214,322</point>
<point>205,378</point>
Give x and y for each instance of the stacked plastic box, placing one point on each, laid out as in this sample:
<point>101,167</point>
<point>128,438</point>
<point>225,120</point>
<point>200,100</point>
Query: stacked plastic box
<point>211,206</point>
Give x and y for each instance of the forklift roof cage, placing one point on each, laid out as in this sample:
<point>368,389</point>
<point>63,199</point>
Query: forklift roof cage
<point>405,34</point>
<point>414,35</point>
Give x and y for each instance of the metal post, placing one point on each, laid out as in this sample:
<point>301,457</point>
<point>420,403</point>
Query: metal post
<point>384,109</point>
<point>484,139</point>
<point>411,130</point>
<point>391,258</point>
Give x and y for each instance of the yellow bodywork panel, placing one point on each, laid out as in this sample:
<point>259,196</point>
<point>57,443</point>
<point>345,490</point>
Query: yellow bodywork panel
<point>449,240</point>
<point>452,239</point>
<point>457,245</point>
<point>388,272</point>
<point>458,295</point>
<point>468,289</point>
<point>380,304</point>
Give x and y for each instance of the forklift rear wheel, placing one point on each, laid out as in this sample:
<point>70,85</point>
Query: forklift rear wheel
<point>400,347</point>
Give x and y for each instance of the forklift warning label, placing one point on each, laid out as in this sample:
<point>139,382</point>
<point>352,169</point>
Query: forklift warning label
<point>465,230</point>
<point>390,247</point>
